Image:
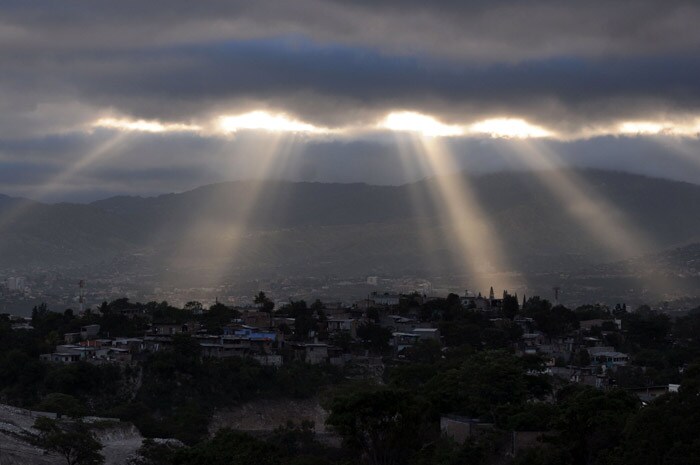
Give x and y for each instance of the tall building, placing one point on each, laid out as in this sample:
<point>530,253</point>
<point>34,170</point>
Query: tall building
<point>16,283</point>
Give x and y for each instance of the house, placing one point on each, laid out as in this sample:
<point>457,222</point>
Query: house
<point>257,319</point>
<point>402,341</point>
<point>70,338</point>
<point>156,342</point>
<point>218,350</point>
<point>342,325</point>
<point>399,323</point>
<point>84,352</point>
<point>69,353</point>
<point>174,328</point>
<point>249,332</point>
<point>89,331</point>
<point>580,376</point>
<point>23,326</point>
<point>558,348</point>
<point>427,333</point>
<point>97,343</point>
<point>111,354</point>
<point>607,357</point>
<point>385,299</point>
<point>587,325</point>
<point>525,323</point>
<point>133,345</point>
<point>336,356</point>
<point>610,359</point>
<point>530,343</point>
<point>60,357</point>
<point>461,428</point>
<point>273,360</point>
<point>649,393</point>
<point>312,353</point>
<point>481,303</point>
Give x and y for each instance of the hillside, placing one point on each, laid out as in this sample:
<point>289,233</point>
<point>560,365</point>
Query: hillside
<point>341,228</point>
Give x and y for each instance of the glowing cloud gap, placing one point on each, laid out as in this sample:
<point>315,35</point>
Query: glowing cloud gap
<point>264,121</point>
<point>408,121</point>
<point>141,125</point>
<point>646,128</point>
<point>509,128</point>
<point>405,121</point>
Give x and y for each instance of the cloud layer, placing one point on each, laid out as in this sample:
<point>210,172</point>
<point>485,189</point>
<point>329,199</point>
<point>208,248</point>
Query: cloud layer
<point>573,70</point>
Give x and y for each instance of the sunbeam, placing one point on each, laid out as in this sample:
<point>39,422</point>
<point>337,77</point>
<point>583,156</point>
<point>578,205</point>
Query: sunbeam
<point>100,153</point>
<point>221,236</point>
<point>424,214</point>
<point>680,147</point>
<point>479,250</point>
<point>602,221</point>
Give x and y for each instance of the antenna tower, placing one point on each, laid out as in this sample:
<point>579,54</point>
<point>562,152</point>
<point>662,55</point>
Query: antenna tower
<point>81,296</point>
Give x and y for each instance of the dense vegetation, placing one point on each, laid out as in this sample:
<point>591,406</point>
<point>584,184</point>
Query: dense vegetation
<point>394,420</point>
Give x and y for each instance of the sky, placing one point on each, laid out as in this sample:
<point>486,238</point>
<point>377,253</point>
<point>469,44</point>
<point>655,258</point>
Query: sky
<point>106,98</point>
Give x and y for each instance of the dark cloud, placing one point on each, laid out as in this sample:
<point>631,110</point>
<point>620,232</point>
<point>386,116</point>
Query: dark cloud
<point>566,65</point>
<point>564,62</point>
<point>488,30</point>
<point>333,85</point>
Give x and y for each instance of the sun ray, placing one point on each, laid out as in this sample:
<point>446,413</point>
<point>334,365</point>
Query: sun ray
<point>681,148</point>
<point>608,225</point>
<point>601,219</point>
<point>58,181</point>
<point>423,211</point>
<point>479,250</point>
<point>222,239</point>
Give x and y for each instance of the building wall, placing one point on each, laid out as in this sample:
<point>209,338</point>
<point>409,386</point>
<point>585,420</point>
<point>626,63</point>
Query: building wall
<point>458,430</point>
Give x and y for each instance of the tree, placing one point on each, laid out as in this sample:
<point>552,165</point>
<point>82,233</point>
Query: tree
<point>483,382</point>
<point>38,312</point>
<point>536,304</point>
<point>385,426</point>
<point>186,348</point>
<point>510,306</point>
<point>425,351</point>
<point>73,441</point>
<point>193,306</point>
<point>374,336</point>
<point>156,453</point>
<point>592,312</point>
<point>666,431</point>
<point>304,321</point>
<point>591,422</point>
<point>218,316</point>
<point>557,321</point>
<point>264,303</point>
<point>62,404</point>
<point>647,328</point>
<point>229,447</point>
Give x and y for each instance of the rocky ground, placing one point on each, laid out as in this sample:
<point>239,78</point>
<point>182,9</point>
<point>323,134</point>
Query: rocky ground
<point>266,415</point>
<point>119,440</point>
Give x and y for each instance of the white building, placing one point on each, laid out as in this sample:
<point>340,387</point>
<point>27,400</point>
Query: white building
<point>16,283</point>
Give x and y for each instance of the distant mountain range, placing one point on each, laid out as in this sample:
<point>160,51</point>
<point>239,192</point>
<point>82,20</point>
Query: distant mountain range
<point>339,229</point>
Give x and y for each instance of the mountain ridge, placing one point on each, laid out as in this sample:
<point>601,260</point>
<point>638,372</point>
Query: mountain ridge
<point>293,223</point>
